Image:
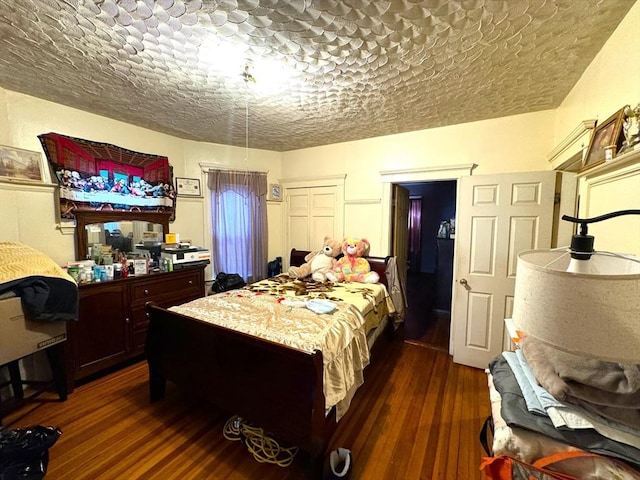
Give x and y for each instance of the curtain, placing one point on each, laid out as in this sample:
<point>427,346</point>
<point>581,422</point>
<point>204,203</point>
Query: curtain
<point>239,223</point>
<point>415,233</point>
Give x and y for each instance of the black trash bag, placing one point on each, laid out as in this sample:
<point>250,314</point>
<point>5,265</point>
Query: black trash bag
<point>274,267</point>
<point>24,452</point>
<point>225,282</point>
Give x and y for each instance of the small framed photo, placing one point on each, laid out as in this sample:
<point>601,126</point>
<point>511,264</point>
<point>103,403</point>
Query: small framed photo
<point>188,187</point>
<point>275,192</point>
<point>140,266</point>
<point>606,136</point>
<point>22,166</point>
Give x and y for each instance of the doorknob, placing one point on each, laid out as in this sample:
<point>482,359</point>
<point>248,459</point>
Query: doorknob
<point>463,281</point>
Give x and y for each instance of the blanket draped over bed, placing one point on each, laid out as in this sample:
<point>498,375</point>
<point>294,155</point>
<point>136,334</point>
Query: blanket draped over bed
<point>263,310</point>
<point>47,292</point>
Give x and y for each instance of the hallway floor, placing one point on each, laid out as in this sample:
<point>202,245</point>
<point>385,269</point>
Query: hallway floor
<point>423,325</point>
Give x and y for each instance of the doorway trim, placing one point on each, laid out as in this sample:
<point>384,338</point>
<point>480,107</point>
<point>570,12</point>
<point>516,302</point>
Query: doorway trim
<point>418,175</point>
<point>414,175</point>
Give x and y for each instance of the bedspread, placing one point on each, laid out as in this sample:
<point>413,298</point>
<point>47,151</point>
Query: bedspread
<point>340,336</point>
<point>372,300</point>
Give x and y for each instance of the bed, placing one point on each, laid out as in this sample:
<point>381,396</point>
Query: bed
<point>278,387</point>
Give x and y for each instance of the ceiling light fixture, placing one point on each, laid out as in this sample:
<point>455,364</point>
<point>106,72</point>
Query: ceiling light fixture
<point>247,76</point>
<point>220,56</point>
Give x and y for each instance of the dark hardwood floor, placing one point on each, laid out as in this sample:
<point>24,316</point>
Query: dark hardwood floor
<point>417,416</point>
<point>424,325</point>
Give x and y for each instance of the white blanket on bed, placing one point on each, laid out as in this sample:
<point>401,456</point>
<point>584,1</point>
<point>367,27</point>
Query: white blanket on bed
<point>340,336</point>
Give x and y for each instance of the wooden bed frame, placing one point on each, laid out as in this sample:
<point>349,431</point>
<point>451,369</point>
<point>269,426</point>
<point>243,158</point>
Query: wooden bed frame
<point>269,385</point>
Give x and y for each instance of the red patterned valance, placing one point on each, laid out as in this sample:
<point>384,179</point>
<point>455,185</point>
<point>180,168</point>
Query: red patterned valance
<point>99,176</point>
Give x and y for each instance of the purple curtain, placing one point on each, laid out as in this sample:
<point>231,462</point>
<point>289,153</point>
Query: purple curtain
<point>415,238</point>
<point>239,223</point>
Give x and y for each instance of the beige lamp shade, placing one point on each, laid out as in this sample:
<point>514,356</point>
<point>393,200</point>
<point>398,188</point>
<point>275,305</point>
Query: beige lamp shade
<point>595,314</point>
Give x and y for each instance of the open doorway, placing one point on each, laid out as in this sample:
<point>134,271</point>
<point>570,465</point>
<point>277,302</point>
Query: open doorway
<point>431,236</point>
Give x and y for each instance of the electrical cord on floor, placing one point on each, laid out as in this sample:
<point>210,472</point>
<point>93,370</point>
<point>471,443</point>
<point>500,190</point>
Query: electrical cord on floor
<point>263,448</point>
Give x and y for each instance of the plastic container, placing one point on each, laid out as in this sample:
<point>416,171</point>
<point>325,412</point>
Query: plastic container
<point>110,270</point>
<point>74,272</point>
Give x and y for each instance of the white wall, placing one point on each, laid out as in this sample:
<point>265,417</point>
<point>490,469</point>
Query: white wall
<point>611,81</point>
<point>511,144</point>
<point>191,214</point>
<point>508,144</point>
<point>28,213</point>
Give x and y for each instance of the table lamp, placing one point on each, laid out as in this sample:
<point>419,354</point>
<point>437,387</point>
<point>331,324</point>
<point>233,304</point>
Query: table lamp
<point>581,301</point>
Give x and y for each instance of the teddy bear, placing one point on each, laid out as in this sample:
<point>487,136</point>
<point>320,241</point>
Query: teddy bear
<point>352,267</point>
<point>318,262</point>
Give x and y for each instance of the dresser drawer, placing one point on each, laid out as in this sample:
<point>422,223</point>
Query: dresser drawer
<point>174,286</point>
<point>139,317</point>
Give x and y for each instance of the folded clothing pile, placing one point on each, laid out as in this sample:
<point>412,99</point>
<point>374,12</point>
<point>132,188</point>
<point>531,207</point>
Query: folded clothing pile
<point>547,401</point>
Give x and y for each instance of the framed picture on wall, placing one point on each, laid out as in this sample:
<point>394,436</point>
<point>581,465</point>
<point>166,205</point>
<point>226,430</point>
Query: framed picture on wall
<point>22,166</point>
<point>188,187</point>
<point>275,192</point>
<point>608,133</point>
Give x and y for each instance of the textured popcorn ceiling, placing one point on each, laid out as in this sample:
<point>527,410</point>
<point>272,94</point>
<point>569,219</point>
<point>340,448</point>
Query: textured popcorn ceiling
<point>336,70</point>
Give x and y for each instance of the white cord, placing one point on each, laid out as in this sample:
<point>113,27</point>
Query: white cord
<point>263,448</point>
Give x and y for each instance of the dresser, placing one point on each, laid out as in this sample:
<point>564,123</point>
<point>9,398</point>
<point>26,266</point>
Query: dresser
<point>112,321</point>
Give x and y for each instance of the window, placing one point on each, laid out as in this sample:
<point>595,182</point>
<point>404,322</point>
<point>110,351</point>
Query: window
<point>239,223</point>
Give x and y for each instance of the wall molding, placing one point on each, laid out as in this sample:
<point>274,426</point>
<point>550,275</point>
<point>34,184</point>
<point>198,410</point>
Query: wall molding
<point>66,228</point>
<point>306,182</point>
<point>414,175</point>
<point>608,187</point>
<point>27,186</point>
<point>364,201</point>
<point>439,172</point>
<point>187,199</point>
<point>621,165</point>
<point>571,145</point>
<point>206,166</point>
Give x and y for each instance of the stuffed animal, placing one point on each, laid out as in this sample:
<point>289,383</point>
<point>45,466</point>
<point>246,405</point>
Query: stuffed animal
<point>353,267</point>
<point>319,262</point>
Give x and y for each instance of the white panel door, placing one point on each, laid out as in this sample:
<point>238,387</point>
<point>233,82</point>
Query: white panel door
<point>400,234</point>
<point>311,215</point>
<point>322,210</point>
<point>498,216</point>
<point>298,219</point>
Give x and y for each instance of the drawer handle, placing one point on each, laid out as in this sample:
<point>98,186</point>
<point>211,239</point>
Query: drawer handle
<point>146,292</point>
<point>126,320</point>
<point>190,282</point>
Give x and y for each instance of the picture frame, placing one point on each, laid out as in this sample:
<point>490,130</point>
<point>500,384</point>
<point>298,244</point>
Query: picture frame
<point>188,187</point>
<point>608,133</point>
<point>22,166</point>
<point>275,192</point>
